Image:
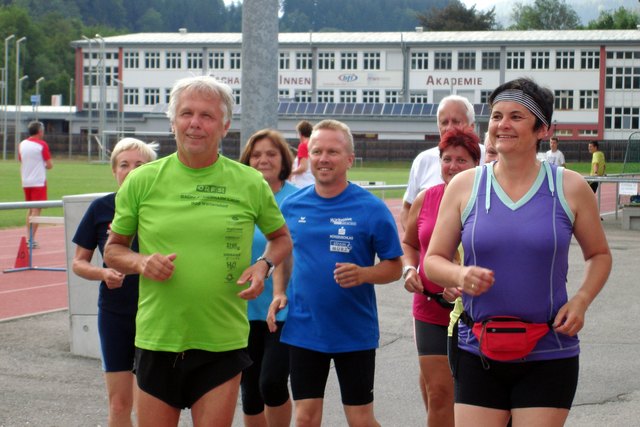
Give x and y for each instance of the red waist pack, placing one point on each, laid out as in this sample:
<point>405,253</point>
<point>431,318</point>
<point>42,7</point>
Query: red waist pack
<point>505,338</point>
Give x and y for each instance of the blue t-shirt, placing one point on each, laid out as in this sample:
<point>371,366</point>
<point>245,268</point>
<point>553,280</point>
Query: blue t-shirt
<point>259,307</point>
<point>92,233</point>
<point>354,227</point>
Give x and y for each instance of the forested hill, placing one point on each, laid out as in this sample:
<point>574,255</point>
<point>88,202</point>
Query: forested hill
<point>354,15</point>
<point>215,16</point>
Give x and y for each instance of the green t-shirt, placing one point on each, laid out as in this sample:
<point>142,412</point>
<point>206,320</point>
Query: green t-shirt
<point>207,217</point>
<point>598,157</point>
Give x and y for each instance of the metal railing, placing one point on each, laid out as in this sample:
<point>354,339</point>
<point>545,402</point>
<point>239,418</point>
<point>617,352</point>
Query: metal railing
<point>617,179</point>
<point>32,205</point>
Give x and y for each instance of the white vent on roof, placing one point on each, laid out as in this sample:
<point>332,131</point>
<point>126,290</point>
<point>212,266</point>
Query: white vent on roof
<point>419,29</point>
<point>182,31</point>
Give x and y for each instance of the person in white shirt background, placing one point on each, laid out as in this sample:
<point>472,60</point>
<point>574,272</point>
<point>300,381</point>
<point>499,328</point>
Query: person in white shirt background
<point>454,111</point>
<point>555,156</point>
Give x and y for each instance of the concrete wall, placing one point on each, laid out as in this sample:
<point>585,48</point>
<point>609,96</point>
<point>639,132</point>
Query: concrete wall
<point>83,294</point>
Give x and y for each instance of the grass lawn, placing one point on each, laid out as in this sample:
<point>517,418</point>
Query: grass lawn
<point>79,177</point>
<point>67,177</point>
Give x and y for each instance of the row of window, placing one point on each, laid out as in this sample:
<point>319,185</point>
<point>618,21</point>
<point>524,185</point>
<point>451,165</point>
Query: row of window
<point>92,76</point>
<point>331,60</point>
<point>587,99</point>
<point>564,99</point>
<point>622,118</point>
<point>173,60</point>
<point>622,78</point>
<point>515,60</point>
<point>616,118</point>
<point>623,54</point>
<point>420,60</point>
<point>154,96</point>
<point>581,132</point>
<point>616,78</point>
<point>232,60</point>
<point>372,96</point>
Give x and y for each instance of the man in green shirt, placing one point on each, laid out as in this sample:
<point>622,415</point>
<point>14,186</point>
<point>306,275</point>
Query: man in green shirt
<point>598,165</point>
<point>194,213</point>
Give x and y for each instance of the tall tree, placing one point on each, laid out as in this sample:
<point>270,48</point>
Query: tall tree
<point>150,21</point>
<point>457,17</point>
<point>620,19</point>
<point>53,59</point>
<point>544,15</point>
<point>136,10</point>
<point>233,20</point>
<point>39,8</point>
<point>14,20</point>
<point>352,15</point>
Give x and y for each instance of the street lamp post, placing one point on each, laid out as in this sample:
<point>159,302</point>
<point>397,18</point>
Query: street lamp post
<point>90,129</point>
<point>70,114</point>
<point>120,121</point>
<point>103,99</point>
<point>38,95</point>
<point>18,107</point>
<point>18,93</point>
<point>5,98</point>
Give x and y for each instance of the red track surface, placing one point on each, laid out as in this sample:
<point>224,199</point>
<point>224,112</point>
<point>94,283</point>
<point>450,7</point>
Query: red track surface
<point>26,293</point>
<point>30,292</point>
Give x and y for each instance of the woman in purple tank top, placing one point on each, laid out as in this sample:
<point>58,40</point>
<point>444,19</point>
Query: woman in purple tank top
<point>515,219</point>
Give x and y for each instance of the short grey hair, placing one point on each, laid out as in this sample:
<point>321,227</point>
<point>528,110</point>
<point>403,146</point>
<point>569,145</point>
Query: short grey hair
<point>203,85</point>
<point>35,127</point>
<point>471,114</point>
<point>126,144</point>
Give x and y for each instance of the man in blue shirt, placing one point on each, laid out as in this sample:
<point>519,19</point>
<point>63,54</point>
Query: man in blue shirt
<point>338,229</point>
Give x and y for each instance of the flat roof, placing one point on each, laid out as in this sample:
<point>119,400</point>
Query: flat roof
<point>596,37</point>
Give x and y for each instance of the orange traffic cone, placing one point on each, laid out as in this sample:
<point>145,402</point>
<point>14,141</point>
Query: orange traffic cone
<point>22,259</point>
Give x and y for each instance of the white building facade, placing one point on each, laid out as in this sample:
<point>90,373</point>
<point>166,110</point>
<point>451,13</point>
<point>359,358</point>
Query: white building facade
<point>383,84</point>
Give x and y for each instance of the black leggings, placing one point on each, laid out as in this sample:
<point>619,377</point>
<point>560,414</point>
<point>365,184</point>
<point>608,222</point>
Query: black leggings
<point>265,381</point>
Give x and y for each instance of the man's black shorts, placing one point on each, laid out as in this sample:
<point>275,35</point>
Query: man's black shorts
<point>180,379</point>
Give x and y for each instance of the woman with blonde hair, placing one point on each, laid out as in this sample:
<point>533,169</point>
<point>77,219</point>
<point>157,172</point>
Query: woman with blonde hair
<point>118,295</point>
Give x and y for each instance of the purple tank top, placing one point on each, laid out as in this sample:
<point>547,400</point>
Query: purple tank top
<point>526,244</point>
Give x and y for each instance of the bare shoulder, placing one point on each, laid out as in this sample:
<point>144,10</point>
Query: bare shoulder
<point>574,184</point>
<point>577,192</point>
<point>463,179</point>
<point>420,197</point>
<point>459,189</point>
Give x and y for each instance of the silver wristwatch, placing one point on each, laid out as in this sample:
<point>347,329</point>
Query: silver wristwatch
<point>270,264</point>
<point>406,269</point>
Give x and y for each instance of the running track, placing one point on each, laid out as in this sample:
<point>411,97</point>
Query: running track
<point>26,293</point>
<point>30,292</point>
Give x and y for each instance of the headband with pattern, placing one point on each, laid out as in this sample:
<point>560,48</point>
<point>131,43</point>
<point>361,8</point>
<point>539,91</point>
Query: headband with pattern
<point>516,95</point>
